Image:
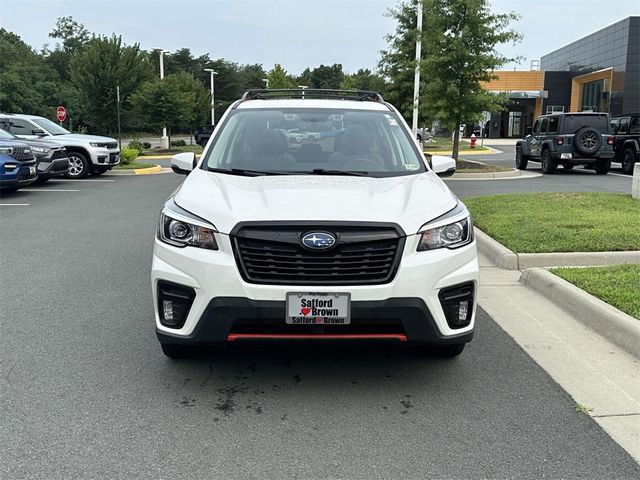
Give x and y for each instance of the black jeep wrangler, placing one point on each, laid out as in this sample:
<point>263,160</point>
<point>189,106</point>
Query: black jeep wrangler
<point>568,139</point>
<point>202,134</point>
<point>626,143</point>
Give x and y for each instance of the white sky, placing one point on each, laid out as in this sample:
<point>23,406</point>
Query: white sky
<point>294,33</point>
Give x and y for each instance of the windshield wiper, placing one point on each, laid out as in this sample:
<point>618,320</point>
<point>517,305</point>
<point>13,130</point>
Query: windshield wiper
<point>351,173</point>
<point>244,171</point>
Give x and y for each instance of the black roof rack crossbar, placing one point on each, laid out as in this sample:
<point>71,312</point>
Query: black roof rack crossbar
<point>315,93</point>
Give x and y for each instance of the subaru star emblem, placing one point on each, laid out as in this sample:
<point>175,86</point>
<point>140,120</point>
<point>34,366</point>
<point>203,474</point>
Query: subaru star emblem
<point>318,240</point>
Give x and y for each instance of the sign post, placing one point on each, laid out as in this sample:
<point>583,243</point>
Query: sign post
<point>61,114</point>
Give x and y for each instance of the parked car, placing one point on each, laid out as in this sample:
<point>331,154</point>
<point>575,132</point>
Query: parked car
<point>626,145</point>
<point>568,139</point>
<point>51,158</point>
<point>17,165</point>
<point>361,240</point>
<point>202,134</point>
<point>86,153</point>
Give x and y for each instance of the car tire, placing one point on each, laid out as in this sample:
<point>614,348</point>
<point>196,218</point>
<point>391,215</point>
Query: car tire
<point>521,160</point>
<point>568,166</point>
<point>174,351</point>
<point>587,141</point>
<point>78,165</point>
<point>603,167</point>
<point>628,160</point>
<point>548,164</point>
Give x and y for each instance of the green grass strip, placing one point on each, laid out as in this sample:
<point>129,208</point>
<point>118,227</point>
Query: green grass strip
<point>618,285</point>
<point>559,222</point>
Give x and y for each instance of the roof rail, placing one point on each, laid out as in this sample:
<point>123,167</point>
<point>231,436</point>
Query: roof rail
<point>315,93</point>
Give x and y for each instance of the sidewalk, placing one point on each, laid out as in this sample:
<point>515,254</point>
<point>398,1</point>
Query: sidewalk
<point>601,377</point>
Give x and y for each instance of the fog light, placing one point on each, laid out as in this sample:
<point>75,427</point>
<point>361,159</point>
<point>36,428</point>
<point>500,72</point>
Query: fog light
<point>174,303</point>
<point>167,310</point>
<point>457,304</point>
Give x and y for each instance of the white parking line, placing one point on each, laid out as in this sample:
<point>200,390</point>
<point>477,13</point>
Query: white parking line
<point>621,175</point>
<point>14,204</point>
<point>84,180</point>
<point>45,190</point>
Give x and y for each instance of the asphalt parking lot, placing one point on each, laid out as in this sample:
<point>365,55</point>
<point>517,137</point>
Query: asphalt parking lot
<point>87,393</point>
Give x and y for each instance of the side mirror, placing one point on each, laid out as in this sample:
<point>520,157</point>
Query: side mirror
<point>443,166</point>
<point>183,163</point>
<point>527,130</point>
<point>39,132</point>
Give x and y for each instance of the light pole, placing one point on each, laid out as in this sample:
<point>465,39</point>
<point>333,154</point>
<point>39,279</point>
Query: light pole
<point>266,82</point>
<point>212,72</point>
<point>416,79</point>
<point>164,140</point>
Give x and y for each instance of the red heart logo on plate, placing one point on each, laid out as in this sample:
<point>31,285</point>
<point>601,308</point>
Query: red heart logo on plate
<point>305,311</point>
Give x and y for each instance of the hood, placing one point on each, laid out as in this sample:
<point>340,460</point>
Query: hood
<point>40,143</point>
<point>80,138</point>
<point>224,200</point>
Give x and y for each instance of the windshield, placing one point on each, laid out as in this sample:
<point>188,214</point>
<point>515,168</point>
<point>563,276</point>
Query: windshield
<point>314,141</point>
<point>50,127</point>
<point>4,135</point>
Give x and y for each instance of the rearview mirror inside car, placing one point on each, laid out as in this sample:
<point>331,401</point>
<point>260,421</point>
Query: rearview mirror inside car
<point>183,163</point>
<point>443,166</point>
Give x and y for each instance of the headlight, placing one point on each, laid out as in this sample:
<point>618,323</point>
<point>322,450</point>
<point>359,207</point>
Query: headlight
<point>98,144</point>
<point>182,229</point>
<point>40,149</point>
<point>6,150</point>
<point>447,234</point>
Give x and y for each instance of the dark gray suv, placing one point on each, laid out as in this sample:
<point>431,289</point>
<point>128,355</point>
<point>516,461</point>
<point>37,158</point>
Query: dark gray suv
<point>568,139</point>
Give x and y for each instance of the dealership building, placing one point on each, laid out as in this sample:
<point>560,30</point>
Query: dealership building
<point>600,72</point>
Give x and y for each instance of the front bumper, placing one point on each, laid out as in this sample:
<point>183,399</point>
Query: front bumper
<point>225,304</point>
<point>48,168</point>
<point>19,177</point>
<point>104,157</point>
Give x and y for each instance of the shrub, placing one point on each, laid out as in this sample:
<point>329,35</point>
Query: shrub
<point>146,145</point>
<point>138,145</point>
<point>128,155</point>
<point>178,143</point>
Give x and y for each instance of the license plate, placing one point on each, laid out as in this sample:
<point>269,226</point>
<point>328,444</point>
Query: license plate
<point>318,308</point>
<point>565,156</point>
<point>32,170</point>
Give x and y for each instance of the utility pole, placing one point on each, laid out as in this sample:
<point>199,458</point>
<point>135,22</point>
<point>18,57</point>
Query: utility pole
<point>211,74</point>
<point>164,140</point>
<point>416,79</point>
<point>118,107</point>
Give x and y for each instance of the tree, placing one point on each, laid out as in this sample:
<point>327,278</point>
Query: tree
<point>104,64</point>
<point>74,37</point>
<point>278,78</point>
<point>326,76</point>
<point>364,79</point>
<point>193,101</point>
<point>459,52</point>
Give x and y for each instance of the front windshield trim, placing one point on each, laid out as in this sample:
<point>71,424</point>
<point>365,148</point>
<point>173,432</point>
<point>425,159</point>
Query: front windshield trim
<point>50,127</point>
<point>408,161</point>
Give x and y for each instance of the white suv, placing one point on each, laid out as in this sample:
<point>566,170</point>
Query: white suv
<point>86,153</point>
<point>346,235</point>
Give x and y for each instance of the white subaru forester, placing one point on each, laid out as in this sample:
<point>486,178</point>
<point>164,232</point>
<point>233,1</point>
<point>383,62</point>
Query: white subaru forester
<point>348,234</point>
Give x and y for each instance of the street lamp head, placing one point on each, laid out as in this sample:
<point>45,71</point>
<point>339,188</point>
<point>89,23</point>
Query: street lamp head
<point>158,50</point>
<point>211,70</point>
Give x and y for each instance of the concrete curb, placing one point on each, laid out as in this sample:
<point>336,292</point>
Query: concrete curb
<point>504,258</point>
<point>609,322</point>
<point>509,174</point>
<point>155,157</point>
<point>140,171</point>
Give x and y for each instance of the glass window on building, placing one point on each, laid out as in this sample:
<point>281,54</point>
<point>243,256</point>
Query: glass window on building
<point>592,96</point>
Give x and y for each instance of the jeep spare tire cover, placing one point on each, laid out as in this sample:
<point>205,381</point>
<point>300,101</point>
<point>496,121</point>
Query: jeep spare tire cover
<point>587,141</point>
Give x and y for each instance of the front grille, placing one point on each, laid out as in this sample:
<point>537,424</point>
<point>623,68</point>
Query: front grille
<point>111,145</point>
<point>362,255</point>
<point>22,153</point>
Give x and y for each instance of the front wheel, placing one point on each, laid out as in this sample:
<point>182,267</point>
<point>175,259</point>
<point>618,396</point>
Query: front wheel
<point>628,159</point>
<point>521,159</point>
<point>568,166</point>
<point>78,165</point>
<point>548,164</point>
<point>603,167</point>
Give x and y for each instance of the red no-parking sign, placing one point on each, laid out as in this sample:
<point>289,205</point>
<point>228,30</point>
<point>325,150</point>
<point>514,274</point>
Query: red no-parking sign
<point>61,113</point>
